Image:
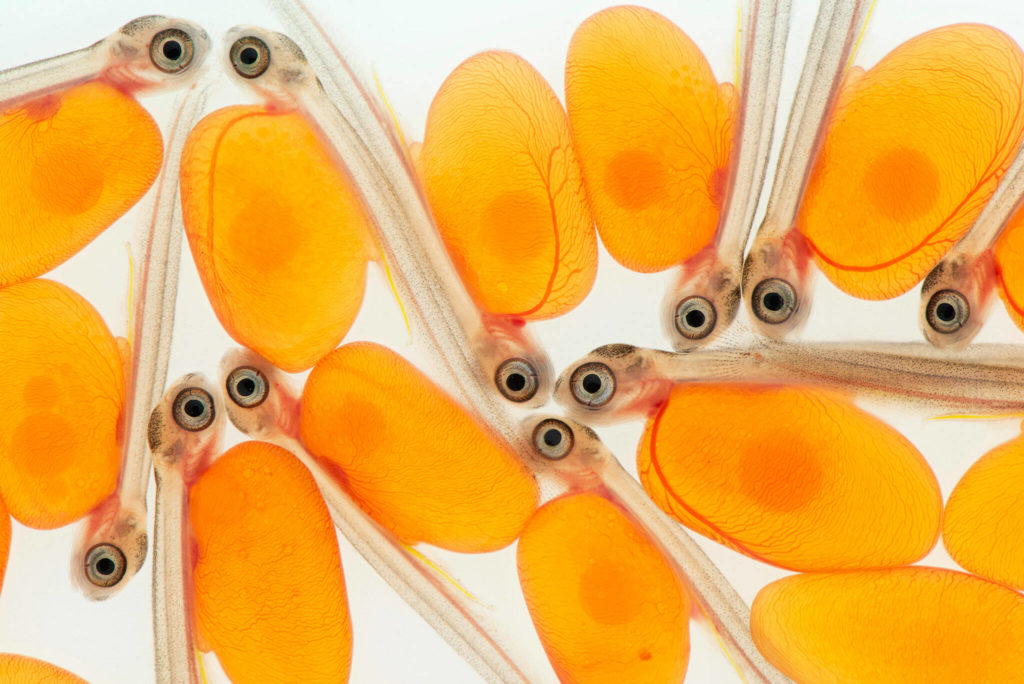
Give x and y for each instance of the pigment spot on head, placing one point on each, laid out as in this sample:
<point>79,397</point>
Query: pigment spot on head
<point>614,351</point>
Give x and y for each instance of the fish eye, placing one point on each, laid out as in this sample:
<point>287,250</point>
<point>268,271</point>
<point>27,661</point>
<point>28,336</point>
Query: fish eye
<point>593,384</point>
<point>516,380</point>
<point>193,409</point>
<point>695,317</point>
<point>105,565</point>
<point>171,51</point>
<point>247,387</point>
<point>947,311</point>
<point>553,439</point>
<point>250,57</point>
<point>774,301</point>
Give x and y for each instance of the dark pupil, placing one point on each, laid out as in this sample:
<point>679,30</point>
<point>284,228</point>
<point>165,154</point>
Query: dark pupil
<point>773,301</point>
<point>194,408</point>
<point>246,387</point>
<point>591,383</point>
<point>946,312</point>
<point>694,319</point>
<point>552,437</point>
<point>172,50</point>
<point>515,382</point>
<point>248,55</point>
<point>105,566</point>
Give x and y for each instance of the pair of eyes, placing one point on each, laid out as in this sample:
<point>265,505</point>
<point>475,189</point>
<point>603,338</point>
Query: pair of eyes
<point>193,408</point>
<point>172,51</point>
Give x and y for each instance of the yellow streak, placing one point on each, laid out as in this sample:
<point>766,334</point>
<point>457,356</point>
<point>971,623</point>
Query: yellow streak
<point>383,258</point>
<point>978,416</point>
<point>436,568</point>
<point>860,36</point>
<point>394,119</point>
<point>718,637</point>
<point>199,666</point>
<point>394,291</point>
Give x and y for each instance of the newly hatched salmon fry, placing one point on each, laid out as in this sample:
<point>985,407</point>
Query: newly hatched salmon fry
<point>452,241</point>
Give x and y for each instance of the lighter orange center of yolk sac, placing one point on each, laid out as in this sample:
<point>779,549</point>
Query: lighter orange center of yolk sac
<point>270,598</point>
<point>71,164</point>
<point>653,130</point>
<point>914,149</point>
<point>61,397</point>
<point>796,477</point>
<point>413,458</point>
<point>19,669</point>
<point>983,525</point>
<point>277,231</point>
<point>505,187</point>
<point>606,604</point>
<point>913,624</point>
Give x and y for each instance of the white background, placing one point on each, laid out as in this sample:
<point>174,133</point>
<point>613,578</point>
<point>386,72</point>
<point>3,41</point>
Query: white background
<point>412,46</point>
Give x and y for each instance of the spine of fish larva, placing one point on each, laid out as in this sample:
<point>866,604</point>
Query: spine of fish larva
<point>153,317</point>
<point>718,600</point>
<point>987,379</point>
<point>761,77</point>
<point>38,78</point>
<point>838,24</point>
<point>172,621</point>
<point>429,286</point>
<point>445,610</point>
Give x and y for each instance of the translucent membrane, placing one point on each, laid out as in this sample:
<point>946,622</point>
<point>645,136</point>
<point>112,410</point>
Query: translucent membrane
<point>914,149</point>
<point>983,523</point>
<point>796,477</point>
<point>1009,252</point>
<point>417,461</point>
<point>653,129</point>
<point>284,266</point>
<point>504,185</point>
<point>19,669</point>
<point>607,605</point>
<point>912,624</point>
<point>71,163</point>
<point>270,596</point>
<point>61,395</point>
